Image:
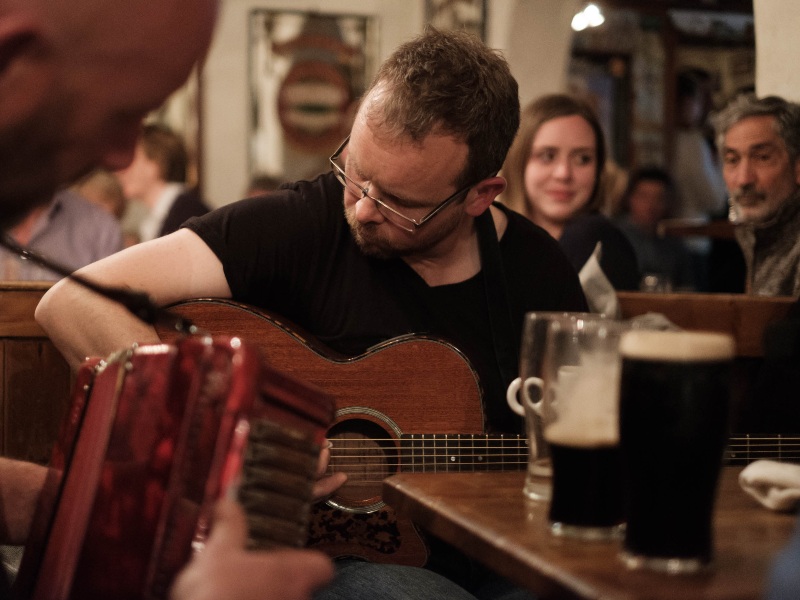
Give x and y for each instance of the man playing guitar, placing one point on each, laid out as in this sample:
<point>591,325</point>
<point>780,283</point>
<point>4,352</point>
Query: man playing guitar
<point>402,236</point>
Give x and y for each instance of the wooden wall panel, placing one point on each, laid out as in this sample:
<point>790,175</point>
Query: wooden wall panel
<point>37,384</point>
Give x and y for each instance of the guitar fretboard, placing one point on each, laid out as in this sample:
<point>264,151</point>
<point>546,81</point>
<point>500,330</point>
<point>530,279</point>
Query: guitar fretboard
<point>744,449</point>
<point>463,452</point>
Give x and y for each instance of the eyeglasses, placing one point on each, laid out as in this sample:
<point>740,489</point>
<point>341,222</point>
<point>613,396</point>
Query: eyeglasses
<point>389,213</point>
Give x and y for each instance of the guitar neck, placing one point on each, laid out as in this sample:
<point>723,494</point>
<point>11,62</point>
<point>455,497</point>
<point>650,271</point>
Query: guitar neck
<point>463,452</point>
<point>744,449</point>
<point>507,452</point>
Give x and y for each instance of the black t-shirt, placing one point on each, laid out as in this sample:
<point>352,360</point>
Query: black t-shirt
<point>292,253</point>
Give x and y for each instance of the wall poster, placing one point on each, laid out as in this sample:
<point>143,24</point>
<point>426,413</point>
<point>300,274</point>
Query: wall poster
<point>307,73</point>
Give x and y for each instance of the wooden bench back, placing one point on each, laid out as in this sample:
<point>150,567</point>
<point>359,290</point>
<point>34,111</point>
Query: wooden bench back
<point>743,316</point>
<point>35,380</point>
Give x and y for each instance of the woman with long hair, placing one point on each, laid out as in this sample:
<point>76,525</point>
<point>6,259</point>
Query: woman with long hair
<point>554,170</point>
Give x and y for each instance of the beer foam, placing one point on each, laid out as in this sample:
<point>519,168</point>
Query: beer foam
<point>587,406</point>
<point>585,432</point>
<point>676,346</point>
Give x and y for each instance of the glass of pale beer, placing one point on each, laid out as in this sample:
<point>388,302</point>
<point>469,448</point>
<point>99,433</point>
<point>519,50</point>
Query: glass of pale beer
<point>581,427</point>
<point>524,396</point>
<point>675,390</point>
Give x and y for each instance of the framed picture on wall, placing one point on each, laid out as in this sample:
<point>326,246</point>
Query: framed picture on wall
<point>457,14</point>
<point>307,73</point>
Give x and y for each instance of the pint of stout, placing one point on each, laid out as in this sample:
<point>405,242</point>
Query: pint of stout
<point>675,392</point>
<point>581,379</point>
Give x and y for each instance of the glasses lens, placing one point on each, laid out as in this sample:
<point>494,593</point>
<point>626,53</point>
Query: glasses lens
<point>394,218</point>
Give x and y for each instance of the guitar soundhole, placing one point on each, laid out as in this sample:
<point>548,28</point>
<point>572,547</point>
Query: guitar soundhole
<point>368,454</point>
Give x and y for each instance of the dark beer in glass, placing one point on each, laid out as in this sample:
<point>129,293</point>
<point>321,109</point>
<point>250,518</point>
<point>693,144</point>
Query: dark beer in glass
<point>587,486</point>
<point>675,390</point>
<point>581,426</point>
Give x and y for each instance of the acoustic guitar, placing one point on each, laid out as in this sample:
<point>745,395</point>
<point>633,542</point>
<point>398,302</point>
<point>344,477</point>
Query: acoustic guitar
<point>412,403</point>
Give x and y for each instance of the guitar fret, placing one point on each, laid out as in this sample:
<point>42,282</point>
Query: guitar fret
<point>459,453</point>
<point>745,449</point>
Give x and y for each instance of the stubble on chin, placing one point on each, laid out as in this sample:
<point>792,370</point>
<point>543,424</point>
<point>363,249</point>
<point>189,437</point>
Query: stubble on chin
<point>368,240</point>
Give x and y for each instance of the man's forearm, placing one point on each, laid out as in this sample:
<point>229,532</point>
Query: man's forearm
<point>167,269</point>
<point>80,323</point>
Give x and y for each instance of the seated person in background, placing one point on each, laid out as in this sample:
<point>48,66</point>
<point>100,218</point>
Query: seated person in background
<point>262,184</point>
<point>759,141</point>
<point>647,200</point>
<point>553,171</point>
<point>70,229</point>
<point>103,188</point>
<point>700,189</point>
<point>401,236</point>
<point>157,179</point>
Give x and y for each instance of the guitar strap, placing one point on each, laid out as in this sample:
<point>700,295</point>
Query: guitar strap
<point>504,336</point>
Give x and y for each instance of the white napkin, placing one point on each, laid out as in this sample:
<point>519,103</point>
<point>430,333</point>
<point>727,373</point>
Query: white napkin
<point>774,484</point>
<point>599,292</point>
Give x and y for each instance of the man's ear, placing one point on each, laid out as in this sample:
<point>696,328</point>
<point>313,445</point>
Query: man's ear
<point>26,67</point>
<point>483,194</point>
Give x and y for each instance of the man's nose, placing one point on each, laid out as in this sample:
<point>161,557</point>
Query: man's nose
<point>745,174</point>
<point>367,210</point>
<point>119,147</point>
<point>117,159</point>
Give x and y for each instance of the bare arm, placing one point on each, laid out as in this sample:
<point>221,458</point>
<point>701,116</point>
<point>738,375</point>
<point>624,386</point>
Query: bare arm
<point>20,484</point>
<point>173,268</point>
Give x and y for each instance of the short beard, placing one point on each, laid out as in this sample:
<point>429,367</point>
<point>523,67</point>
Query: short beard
<point>368,241</point>
<point>372,244</point>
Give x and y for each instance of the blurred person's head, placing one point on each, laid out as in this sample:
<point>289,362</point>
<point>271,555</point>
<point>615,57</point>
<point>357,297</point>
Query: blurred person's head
<point>103,188</point>
<point>759,142</point>
<point>76,80</point>
<point>262,184</point>
<point>555,164</point>
<point>159,158</point>
<point>694,98</point>
<point>649,197</point>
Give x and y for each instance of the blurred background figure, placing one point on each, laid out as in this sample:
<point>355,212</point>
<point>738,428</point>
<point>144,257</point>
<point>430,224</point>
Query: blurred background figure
<point>70,229</point>
<point>701,194</point>
<point>103,189</point>
<point>648,199</point>
<point>613,183</point>
<point>553,171</point>
<point>262,184</point>
<point>156,178</point>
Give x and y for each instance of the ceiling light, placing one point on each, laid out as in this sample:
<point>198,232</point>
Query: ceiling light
<point>590,16</point>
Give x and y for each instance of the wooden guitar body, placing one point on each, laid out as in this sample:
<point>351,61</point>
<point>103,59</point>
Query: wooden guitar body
<point>411,403</point>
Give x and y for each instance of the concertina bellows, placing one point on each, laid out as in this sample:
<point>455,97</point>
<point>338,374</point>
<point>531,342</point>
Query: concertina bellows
<point>153,437</point>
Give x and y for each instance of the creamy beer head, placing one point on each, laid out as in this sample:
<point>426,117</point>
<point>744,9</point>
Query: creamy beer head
<point>677,346</point>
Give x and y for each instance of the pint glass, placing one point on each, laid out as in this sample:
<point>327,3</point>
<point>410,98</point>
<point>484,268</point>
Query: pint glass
<point>581,394</point>
<point>674,404</point>
<point>524,396</point>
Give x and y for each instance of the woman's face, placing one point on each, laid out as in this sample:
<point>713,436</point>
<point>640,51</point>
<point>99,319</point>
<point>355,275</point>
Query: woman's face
<point>560,172</point>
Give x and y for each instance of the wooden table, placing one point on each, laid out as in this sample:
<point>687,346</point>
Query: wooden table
<point>486,515</point>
